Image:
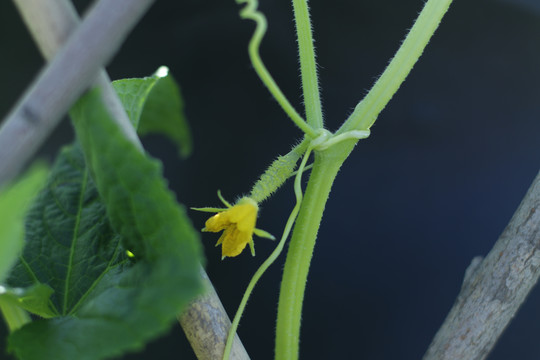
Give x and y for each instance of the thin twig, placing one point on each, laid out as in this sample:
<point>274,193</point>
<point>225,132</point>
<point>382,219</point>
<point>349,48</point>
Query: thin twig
<point>206,326</point>
<point>73,70</point>
<point>51,22</point>
<point>493,288</point>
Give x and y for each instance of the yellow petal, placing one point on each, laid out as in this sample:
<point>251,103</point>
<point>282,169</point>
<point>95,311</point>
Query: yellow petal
<point>217,222</point>
<point>234,241</point>
<point>244,214</point>
<point>238,223</point>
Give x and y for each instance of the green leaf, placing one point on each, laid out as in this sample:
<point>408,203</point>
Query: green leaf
<point>115,305</point>
<point>14,201</point>
<point>130,307</point>
<point>139,204</point>
<point>133,94</point>
<point>70,244</point>
<point>157,102</point>
<point>34,299</point>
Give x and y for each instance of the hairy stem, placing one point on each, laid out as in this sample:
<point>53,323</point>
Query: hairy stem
<point>308,66</point>
<point>300,251</point>
<point>366,112</point>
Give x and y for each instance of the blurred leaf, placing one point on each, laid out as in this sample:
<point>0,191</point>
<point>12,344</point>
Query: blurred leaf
<point>14,201</point>
<point>108,304</point>
<point>133,94</point>
<point>155,105</point>
<point>34,299</point>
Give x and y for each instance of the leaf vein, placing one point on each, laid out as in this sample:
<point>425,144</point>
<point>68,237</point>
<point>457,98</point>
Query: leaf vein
<point>36,280</point>
<point>109,267</point>
<point>74,242</point>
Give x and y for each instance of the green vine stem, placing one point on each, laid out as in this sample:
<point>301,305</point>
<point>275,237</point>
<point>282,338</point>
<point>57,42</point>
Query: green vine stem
<point>366,112</point>
<point>301,247</point>
<point>308,67</point>
<point>324,171</point>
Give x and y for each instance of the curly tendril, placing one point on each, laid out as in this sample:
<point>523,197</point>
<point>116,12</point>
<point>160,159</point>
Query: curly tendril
<point>250,12</point>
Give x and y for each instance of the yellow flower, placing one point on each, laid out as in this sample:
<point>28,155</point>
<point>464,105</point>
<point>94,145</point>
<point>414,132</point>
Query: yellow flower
<point>238,225</point>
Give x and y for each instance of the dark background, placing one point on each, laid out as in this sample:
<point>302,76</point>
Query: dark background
<point>449,160</point>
